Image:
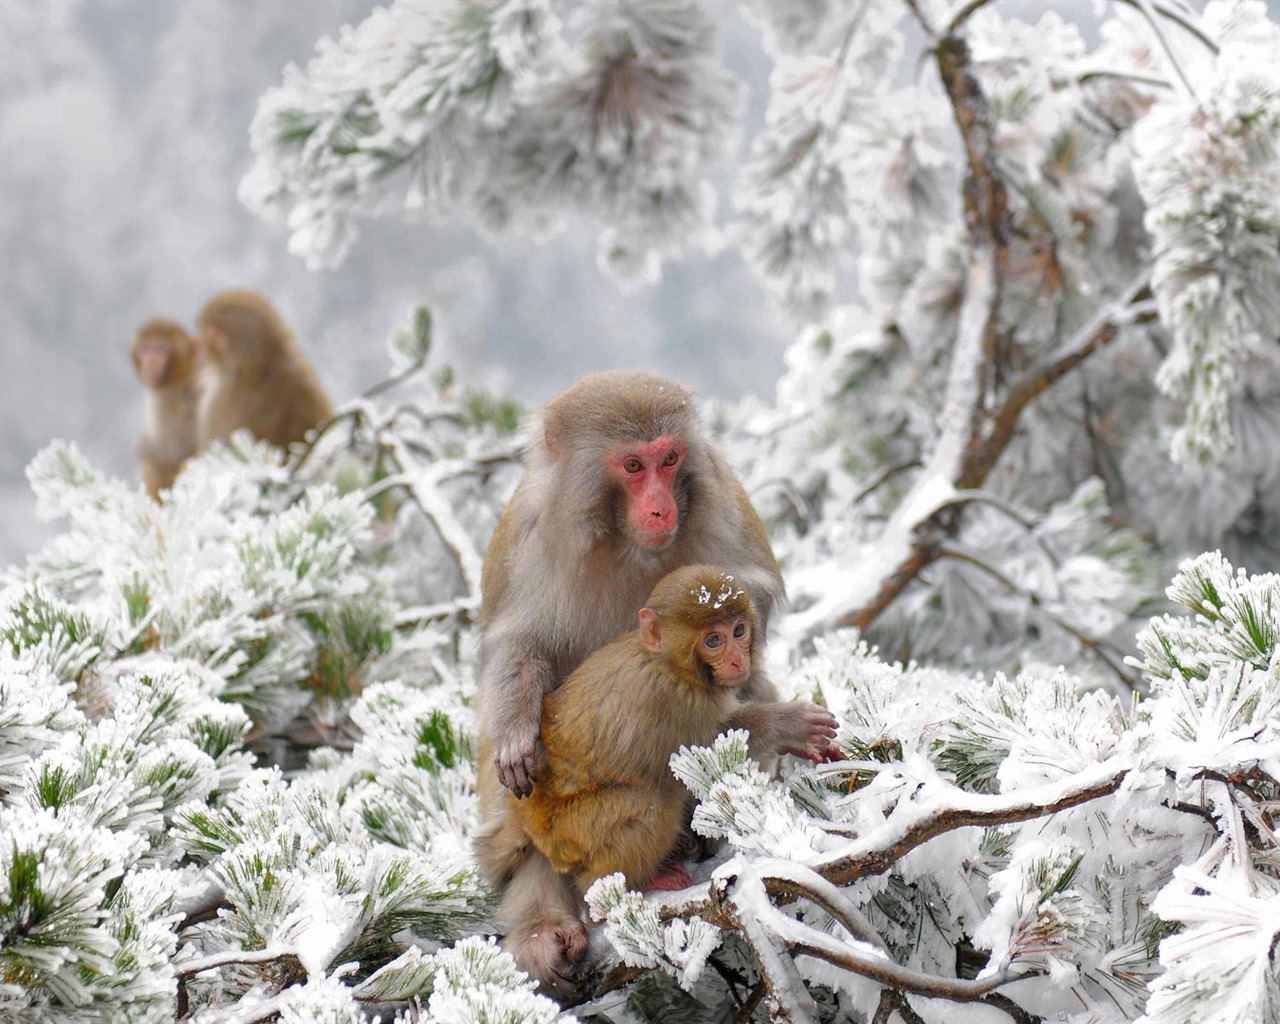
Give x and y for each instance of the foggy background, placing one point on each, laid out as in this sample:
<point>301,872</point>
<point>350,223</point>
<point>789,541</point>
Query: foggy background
<point>124,134</point>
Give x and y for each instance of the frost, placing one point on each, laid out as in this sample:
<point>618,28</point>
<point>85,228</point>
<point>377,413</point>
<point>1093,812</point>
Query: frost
<point>476,982</point>
<point>616,111</point>
<point>725,592</point>
<point>680,947</point>
<point>238,735</point>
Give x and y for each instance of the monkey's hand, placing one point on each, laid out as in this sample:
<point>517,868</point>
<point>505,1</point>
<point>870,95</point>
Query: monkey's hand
<point>808,730</point>
<point>516,759</point>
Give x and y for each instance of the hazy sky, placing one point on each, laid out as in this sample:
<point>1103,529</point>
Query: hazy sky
<point>124,125</point>
<point>124,128</point>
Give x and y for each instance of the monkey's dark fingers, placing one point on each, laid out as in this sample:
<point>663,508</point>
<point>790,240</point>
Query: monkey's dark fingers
<point>825,754</point>
<point>517,777</point>
<point>821,720</point>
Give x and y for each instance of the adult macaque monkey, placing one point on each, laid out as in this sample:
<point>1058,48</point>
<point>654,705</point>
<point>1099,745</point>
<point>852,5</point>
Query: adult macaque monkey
<point>164,358</point>
<point>256,377</point>
<point>621,486</point>
<point>606,799</point>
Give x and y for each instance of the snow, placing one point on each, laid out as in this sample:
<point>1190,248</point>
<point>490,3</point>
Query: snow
<point>1114,859</point>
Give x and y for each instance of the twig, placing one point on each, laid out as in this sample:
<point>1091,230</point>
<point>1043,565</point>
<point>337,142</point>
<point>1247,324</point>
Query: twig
<point>803,507</point>
<point>847,43</point>
<point>1002,1002</point>
<point>395,380</point>
<point>1124,76</point>
<point>1180,19</point>
<point>354,415</point>
<point>463,607</point>
<point>749,1006</point>
<point>877,853</point>
<point>1101,328</point>
<point>1092,643</point>
<point>206,910</point>
<point>883,477</point>
<point>786,880</point>
<point>266,1009</point>
<point>424,494</point>
<point>190,968</point>
<point>778,971</point>
<point>1148,11</point>
<point>925,26</point>
<point>1024,518</point>
<point>800,939</point>
<point>731,978</point>
<point>965,13</point>
<point>892,1001</point>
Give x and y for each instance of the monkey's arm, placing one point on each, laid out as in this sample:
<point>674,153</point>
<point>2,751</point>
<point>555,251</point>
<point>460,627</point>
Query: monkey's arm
<point>786,727</point>
<point>511,691</point>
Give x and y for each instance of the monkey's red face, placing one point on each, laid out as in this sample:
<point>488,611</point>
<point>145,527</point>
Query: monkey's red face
<point>647,472</point>
<point>152,357</point>
<point>725,646</point>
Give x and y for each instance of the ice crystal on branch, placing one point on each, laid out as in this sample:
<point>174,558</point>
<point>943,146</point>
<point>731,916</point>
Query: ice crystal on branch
<point>506,110</point>
<point>828,150</point>
<point>640,937</point>
<point>146,647</point>
<point>1209,171</point>
<point>1222,966</point>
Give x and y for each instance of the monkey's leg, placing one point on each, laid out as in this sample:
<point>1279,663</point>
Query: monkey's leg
<point>502,846</point>
<point>545,933</point>
<point>634,830</point>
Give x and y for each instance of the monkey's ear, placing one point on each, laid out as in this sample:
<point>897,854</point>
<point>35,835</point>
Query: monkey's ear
<point>650,631</point>
<point>552,437</point>
<point>214,341</point>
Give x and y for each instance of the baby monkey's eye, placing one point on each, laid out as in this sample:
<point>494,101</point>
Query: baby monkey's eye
<point>712,640</point>
<point>740,629</point>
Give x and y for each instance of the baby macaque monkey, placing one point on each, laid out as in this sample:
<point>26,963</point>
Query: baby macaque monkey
<point>164,358</point>
<point>606,799</point>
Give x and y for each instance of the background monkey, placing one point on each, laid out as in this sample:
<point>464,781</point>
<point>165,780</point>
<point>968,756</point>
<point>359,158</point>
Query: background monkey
<point>164,358</point>
<point>606,799</point>
<point>621,486</point>
<point>256,377</point>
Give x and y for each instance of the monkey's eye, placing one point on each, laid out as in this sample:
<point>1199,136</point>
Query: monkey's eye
<point>740,629</point>
<point>712,641</point>
<point>632,465</point>
<point>672,457</point>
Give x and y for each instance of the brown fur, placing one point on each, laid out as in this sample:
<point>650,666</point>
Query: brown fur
<point>168,435</point>
<point>606,799</point>
<point>257,377</point>
<point>560,577</point>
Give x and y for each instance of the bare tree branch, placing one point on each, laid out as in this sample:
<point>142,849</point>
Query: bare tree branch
<point>1092,643</point>
<point>190,968</point>
<point>965,13</point>
<point>912,825</point>
<point>800,939</point>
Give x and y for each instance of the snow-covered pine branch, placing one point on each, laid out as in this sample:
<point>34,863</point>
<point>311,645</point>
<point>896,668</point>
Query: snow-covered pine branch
<point>1001,200</point>
<point>1037,815</point>
<point>509,110</point>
